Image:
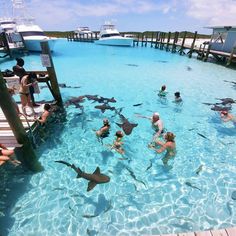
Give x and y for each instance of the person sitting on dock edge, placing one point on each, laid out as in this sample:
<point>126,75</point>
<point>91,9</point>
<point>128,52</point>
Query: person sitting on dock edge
<point>46,113</point>
<point>6,155</point>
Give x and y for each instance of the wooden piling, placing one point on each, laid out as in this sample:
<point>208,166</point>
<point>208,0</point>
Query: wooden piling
<point>157,38</point>
<point>168,41</point>
<point>176,36</point>
<point>142,39</point>
<point>137,40</point>
<point>152,39</point>
<point>28,156</point>
<point>192,46</point>
<point>231,56</point>
<point>207,53</point>
<point>181,51</point>
<point>52,74</point>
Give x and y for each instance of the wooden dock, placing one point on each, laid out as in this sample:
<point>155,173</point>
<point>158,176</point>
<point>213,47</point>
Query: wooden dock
<point>219,232</point>
<point>6,135</point>
<point>174,42</point>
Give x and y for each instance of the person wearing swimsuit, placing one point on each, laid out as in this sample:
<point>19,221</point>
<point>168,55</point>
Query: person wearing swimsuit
<point>103,132</point>
<point>25,93</point>
<point>117,145</point>
<point>169,146</point>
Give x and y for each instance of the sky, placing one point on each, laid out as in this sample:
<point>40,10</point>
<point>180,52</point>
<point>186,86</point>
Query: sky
<point>133,15</point>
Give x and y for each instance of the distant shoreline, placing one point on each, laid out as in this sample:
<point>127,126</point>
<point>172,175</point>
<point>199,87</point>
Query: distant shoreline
<point>148,34</point>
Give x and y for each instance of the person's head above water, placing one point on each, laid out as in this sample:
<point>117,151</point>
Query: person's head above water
<point>225,113</point>
<point>20,62</point>
<point>105,121</point>
<point>155,116</point>
<point>177,94</point>
<point>170,137</point>
<point>119,134</point>
<point>163,88</point>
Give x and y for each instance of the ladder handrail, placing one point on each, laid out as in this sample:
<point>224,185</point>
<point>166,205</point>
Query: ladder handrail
<point>31,132</point>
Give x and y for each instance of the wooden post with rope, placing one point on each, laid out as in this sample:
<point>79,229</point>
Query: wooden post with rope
<point>52,74</point>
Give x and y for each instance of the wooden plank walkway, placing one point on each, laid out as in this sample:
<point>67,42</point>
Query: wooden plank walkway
<point>219,232</point>
<point>6,135</point>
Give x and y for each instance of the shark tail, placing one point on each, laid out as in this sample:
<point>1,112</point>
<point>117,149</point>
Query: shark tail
<point>64,162</point>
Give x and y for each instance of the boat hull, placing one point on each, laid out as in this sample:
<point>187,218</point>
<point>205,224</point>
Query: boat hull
<point>34,44</point>
<point>115,41</point>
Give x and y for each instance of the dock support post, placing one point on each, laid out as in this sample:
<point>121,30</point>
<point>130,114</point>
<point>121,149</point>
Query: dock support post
<point>52,74</point>
<point>231,56</point>
<point>175,42</point>
<point>157,38</point>
<point>152,39</point>
<point>142,39</point>
<point>168,41</point>
<point>181,51</point>
<point>28,155</point>
<point>192,46</point>
<point>207,53</point>
<point>137,40</point>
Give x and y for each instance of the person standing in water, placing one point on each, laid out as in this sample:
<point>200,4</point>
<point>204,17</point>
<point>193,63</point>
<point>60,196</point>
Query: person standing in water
<point>117,145</point>
<point>178,98</point>
<point>169,146</point>
<point>162,92</point>
<point>103,132</point>
<point>157,124</point>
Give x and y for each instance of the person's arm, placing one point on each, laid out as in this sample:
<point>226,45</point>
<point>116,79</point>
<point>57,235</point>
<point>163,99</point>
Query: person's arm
<point>161,149</point>
<point>141,116</point>
<point>44,117</point>
<point>3,146</point>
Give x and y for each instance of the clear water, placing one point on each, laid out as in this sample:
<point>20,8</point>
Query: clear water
<point>157,200</point>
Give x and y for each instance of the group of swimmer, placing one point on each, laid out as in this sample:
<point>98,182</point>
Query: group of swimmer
<point>162,141</point>
<point>159,146</point>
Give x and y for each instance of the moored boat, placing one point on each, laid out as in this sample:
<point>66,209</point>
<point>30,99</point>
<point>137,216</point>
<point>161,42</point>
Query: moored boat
<point>109,35</point>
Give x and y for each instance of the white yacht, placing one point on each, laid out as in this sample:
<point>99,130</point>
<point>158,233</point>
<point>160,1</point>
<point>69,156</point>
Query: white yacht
<point>33,35</point>
<point>14,39</point>
<point>83,30</point>
<point>109,35</point>
<point>31,32</point>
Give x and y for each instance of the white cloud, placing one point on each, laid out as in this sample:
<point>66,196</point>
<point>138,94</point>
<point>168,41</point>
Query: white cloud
<point>217,12</point>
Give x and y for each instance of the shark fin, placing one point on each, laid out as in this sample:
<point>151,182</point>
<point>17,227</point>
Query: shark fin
<point>97,171</point>
<point>78,176</point>
<point>91,185</point>
<point>120,125</point>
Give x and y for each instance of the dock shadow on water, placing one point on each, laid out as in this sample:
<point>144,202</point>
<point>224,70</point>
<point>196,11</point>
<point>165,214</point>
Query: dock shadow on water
<point>15,181</point>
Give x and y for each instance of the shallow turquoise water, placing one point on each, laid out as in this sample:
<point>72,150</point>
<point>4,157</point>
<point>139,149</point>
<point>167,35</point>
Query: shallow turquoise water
<point>157,200</point>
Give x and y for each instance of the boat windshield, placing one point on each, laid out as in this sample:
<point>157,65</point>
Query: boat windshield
<point>32,33</point>
<point>109,35</point>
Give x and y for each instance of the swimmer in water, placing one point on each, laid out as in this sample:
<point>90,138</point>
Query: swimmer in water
<point>169,146</point>
<point>117,145</point>
<point>178,98</point>
<point>103,132</point>
<point>162,92</point>
<point>226,116</point>
<point>156,122</point>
